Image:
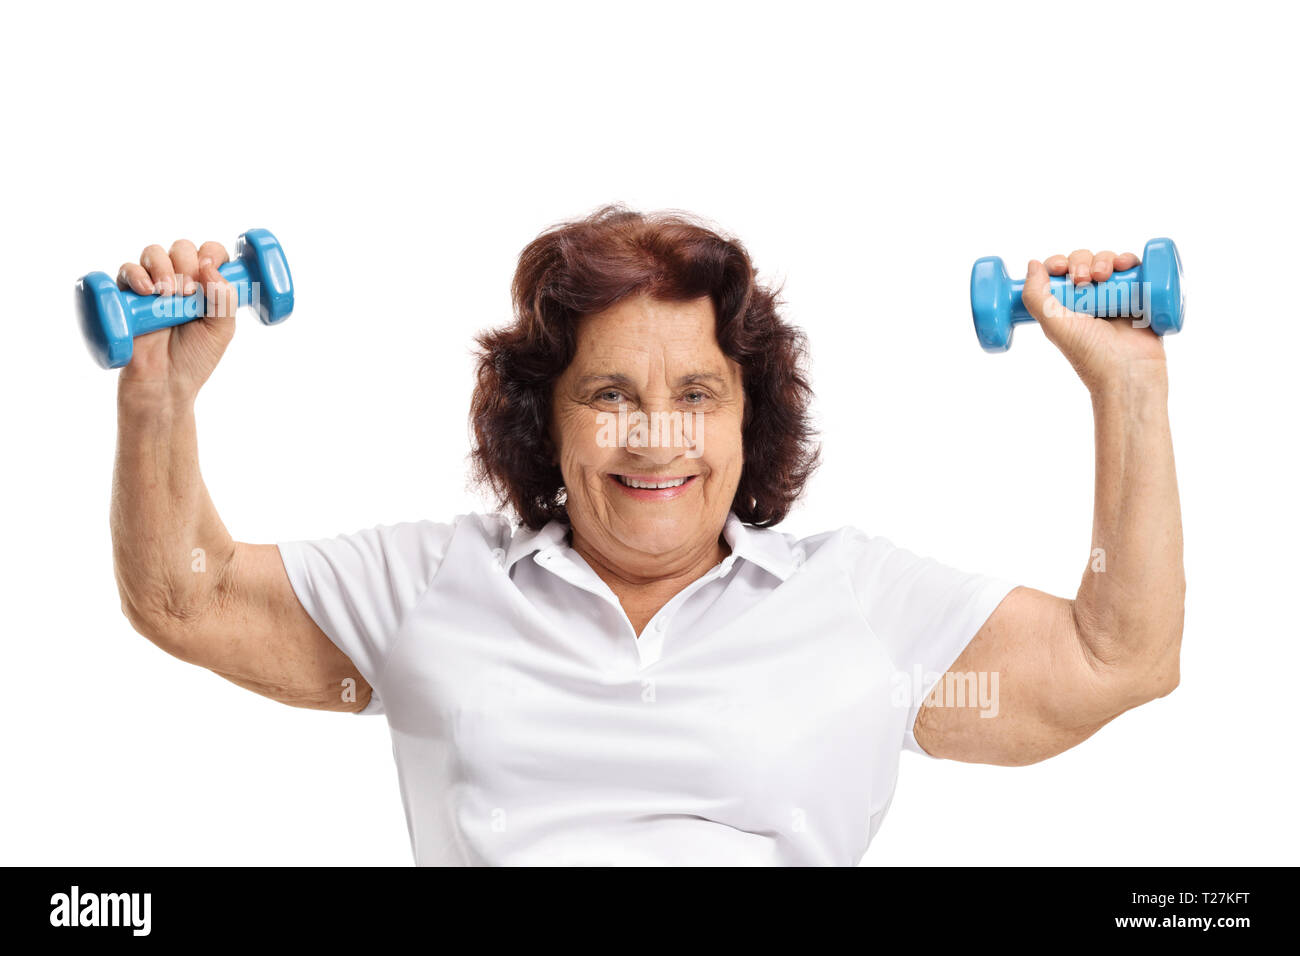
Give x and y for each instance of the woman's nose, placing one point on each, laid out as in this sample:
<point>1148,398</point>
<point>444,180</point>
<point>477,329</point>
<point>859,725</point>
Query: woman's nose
<point>654,454</point>
<point>660,436</point>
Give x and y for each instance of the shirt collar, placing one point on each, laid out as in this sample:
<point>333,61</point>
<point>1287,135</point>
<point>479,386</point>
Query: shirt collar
<point>526,541</point>
<point>766,547</point>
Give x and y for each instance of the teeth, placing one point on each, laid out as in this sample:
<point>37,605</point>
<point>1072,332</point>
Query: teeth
<point>633,483</point>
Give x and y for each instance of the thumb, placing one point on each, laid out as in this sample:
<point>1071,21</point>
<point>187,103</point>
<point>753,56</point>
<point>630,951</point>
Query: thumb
<point>1059,323</point>
<point>220,298</point>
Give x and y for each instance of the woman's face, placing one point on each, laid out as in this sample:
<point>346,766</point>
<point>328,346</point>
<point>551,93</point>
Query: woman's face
<point>649,399</point>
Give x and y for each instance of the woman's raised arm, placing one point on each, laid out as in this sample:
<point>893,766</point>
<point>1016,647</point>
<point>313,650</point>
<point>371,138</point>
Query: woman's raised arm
<point>185,583</point>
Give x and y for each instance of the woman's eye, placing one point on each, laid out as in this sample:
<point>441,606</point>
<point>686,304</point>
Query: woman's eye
<point>694,398</point>
<point>609,395</point>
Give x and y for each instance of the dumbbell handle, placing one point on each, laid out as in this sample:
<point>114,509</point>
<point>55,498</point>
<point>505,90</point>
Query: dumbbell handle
<point>1120,296</point>
<point>149,313</point>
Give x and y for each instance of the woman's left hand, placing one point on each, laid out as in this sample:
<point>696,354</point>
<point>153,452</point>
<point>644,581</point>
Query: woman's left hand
<point>1101,350</point>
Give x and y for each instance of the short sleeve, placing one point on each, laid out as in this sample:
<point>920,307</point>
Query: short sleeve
<point>923,611</point>
<point>359,587</point>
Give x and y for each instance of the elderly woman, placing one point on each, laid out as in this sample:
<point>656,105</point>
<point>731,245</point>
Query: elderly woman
<point>644,670</point>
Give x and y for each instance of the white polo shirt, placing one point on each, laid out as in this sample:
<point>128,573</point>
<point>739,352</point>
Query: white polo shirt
<point>757,720</point>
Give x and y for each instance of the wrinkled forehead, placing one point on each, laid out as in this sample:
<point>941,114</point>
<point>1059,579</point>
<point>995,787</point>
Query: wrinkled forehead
<point>650,339</point>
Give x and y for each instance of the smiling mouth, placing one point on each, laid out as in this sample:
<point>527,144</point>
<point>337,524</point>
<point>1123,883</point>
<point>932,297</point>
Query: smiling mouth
<point>653,484</point>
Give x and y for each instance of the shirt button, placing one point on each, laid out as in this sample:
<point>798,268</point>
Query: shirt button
<point>660,625</point>
<point>798,557</point>
<point>499,558</point>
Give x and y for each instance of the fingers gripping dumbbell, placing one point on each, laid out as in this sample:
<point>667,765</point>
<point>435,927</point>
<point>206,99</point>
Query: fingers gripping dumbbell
<point>111,317</point>
<point>1152,291</point>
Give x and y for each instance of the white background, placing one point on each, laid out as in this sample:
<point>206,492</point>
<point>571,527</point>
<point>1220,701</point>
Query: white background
<point>404,156</point>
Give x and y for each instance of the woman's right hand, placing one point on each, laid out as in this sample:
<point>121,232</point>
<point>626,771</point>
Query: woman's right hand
<point>180,358</point>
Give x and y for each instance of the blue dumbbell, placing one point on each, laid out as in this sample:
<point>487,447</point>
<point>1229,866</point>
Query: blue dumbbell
<point>111,317</point>
<point>1152,290</point>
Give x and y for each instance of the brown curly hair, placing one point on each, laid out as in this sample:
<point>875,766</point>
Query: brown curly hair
<point>587,265</point>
